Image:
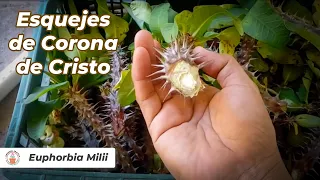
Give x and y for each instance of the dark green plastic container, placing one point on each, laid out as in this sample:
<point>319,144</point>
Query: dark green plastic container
<point>17,134</point>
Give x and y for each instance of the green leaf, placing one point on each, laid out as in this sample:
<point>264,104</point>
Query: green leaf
<point>316,5</point>
<point>316,18</point>
<point>316,15</point>
<point>291,73</point>
<point>56,78</point>
<point>56,54</point>
<point>172,14</point>
<point>292,100</point>
<point>104,59</point>
<point>65,34</point>
<point>259,64</point>
<point>37,116</point>
<point>141,10</point>
<point>169,32</point>
<point>126,93</point>
<point>263,24</point>
<point>296,139</point>
<point>182,20</point>
<point>314,69</point>
<point>124,73</point>
<point>73,11</point>
<point>282,55</point>
<point>89,80</point>
<point>296,128</point>
<point>72,7</point>
<point>312,37</point>
<point>58,142</point>
<point>314,56</point>
<point>211,34</point>
<point>202,17</point>
<point>303,92</point>
<point>307,121</point>
<point>139,22</point>
<point>118,27</point>
<point>159,16</point>
<point>131,47</point>
<point>95,52</point>
<point>157,162</point>
<point>247,3</point>
<point>229,39</point>
<point>213,82</point>
<point>206,37</point>
<point>39,91</point>
<point>224,21</point>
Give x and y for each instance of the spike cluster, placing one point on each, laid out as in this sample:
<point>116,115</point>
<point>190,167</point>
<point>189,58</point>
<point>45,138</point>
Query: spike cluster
<point>127,122</point>
<point>179,69</point>
<point>247,47</point>
<point>274,104</point>
<point>305,165</point>
<point>295,19</point>
<point>88,116</point>
<point>82,132</point>
<point>246,50</point>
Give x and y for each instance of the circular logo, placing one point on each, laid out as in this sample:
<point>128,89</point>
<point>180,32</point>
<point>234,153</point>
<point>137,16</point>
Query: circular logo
<point>12,157</point>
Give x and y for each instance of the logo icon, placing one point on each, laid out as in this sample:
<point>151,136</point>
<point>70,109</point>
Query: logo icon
<point>12,157</point>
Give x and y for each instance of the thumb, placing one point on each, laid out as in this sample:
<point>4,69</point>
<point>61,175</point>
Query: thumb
<point>223,67</point>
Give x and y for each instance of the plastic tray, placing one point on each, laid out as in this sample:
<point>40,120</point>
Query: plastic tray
<point>17,134</point>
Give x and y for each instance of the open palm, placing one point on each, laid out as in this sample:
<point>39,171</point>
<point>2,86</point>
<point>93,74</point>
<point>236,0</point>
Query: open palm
<point>219,134</point>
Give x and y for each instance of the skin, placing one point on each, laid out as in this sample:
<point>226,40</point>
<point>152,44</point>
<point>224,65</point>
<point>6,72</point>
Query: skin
<point>219,134</point>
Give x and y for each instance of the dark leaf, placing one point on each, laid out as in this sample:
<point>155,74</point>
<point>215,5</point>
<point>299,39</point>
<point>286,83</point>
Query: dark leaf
<point>308,121</point>
<point>291,73</point>
<point>303,91</point>
<point>292,100</point>
<point>282,55</point>
<point>37,116</point>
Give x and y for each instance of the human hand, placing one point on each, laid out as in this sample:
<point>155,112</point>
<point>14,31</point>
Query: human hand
<point>219,134</point>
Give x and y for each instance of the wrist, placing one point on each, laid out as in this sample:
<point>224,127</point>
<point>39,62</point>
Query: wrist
<point>268,169</point>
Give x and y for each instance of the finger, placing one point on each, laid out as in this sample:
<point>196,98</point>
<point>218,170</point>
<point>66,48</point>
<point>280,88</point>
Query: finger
<point>174,112</point>
<point>224,68</point>
<point>146,95</point>
<point>144,39</point>
<point>156,44</point>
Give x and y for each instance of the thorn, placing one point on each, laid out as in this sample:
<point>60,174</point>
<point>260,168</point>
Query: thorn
<point>80,90</point>
<point>160,52</point>
<point>188,50</point>
<point>157,72</point>
<point>171,37</point>
<point>159,58</point>
<point>157,65</point>
<point>195,58</point>
<point>94,106</point>
<point>170,91</point>
<point>203,64</point>
<point>194,55</point>
<point>164,85</point>
<point>315,171</point>
<point>174,51</point>
<point>211,46</point>
<point>176,45</point>
<point>159,78</point>
<point>281,5</point>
